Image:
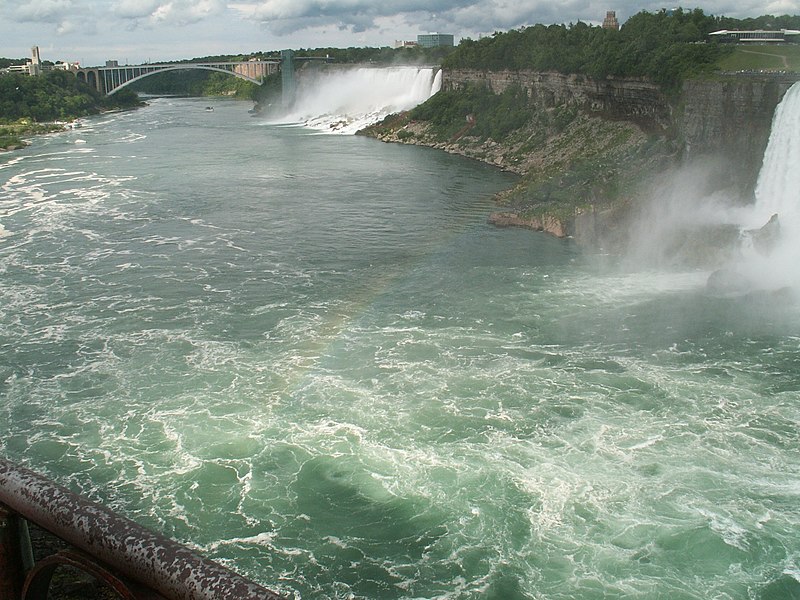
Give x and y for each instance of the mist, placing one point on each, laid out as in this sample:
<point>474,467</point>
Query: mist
<point>346,100</point>
<point>746,248</point>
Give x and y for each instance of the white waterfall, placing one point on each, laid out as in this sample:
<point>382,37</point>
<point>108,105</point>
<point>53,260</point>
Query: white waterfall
<point>775,266</point>
<point>344,101</point>
<point>778,187</point>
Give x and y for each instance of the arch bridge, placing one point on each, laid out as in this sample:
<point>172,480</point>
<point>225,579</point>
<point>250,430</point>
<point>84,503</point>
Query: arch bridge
<point>113,77</point>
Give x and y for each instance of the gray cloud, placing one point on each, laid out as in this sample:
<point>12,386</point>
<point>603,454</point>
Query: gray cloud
<point>91,29</point>
<point>286,16</point>
<point>172,12</point>
<point>283,17</point>
<point>43,11</point>
<point>135,9</point>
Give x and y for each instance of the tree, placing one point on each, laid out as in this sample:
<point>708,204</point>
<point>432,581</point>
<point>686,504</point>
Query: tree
<point>650,45</point>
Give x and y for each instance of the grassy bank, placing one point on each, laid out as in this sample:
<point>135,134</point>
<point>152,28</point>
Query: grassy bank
<point>35,105</point>
<point>12,134</point>
<point>762,57</point>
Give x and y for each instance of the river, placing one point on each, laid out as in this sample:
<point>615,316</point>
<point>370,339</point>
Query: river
<point>310,358</point>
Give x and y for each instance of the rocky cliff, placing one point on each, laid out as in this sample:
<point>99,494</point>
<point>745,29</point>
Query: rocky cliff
<point>729,118</point>
<point>633,100</point>
<point>583,179</point>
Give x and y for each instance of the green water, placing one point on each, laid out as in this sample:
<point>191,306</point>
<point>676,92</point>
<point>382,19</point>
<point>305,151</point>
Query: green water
<point>311,359</point>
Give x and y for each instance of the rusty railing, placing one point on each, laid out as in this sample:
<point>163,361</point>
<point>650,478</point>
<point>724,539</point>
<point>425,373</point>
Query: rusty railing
<point>133,561</point>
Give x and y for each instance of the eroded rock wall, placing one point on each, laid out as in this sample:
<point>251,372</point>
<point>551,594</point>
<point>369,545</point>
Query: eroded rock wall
<point>629,99</point>
<point>729,119</point>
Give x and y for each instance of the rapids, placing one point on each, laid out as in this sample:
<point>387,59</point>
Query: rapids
<point>310,358</point>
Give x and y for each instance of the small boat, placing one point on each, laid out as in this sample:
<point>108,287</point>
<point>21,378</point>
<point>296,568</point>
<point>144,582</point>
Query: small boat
<point>209,109</point>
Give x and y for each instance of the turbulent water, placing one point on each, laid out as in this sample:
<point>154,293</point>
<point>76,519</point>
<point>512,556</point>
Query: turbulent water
<point>310,358</point>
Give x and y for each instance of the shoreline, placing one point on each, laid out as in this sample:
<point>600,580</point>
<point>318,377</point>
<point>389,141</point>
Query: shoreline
<point>25,128</point>
<point>495,154</point>
<point>16,132</point>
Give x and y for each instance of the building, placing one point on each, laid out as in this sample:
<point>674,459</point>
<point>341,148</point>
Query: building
<point>403,44</point>
<point>758,36</point>
<point>19,69</point>
<point>432,40</point>
<point>36,62</point>
<point>610,22</point>
<point>32,67</point>
<point>35,66</point>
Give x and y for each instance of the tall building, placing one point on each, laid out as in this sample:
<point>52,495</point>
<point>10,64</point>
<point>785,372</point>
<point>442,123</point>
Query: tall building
<point>431,40</point>
<point>36,62</point>
<point>610,22</point>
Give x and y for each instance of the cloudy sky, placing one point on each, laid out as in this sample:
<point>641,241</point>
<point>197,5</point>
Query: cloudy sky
<point>135,31</point>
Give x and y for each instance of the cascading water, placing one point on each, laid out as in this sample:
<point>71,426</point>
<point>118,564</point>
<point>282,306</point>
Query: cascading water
<point>778,188</point>
<point>344,101</point>
<point>771,247</point>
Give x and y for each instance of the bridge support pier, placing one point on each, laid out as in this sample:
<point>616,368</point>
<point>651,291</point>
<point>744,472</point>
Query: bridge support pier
<point>288,81</point>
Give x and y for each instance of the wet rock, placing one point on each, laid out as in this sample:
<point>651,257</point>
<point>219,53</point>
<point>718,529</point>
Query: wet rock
<point>765,239</point>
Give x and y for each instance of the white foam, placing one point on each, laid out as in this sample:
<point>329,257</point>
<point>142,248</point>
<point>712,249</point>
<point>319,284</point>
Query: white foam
<point>346,101</point>
<point>777,194</point>
<point>779,178</point>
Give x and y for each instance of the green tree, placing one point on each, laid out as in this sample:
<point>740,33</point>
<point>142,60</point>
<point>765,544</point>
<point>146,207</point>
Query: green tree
<point>639,49</point>
<point>55,95</point>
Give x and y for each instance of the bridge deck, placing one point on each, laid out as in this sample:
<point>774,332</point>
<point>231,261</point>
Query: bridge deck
<point>112,78</point>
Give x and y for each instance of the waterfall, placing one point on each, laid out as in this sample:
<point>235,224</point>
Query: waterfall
<point>346,100</point>
<point>771,251</point>
<point>778,187</point>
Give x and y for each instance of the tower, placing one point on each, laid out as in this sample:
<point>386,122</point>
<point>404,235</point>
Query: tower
<point>610,22</point>
<point>36,62</point>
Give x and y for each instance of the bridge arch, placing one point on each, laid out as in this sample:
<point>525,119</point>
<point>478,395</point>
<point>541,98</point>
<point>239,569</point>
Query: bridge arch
<point>114,77</point>
<point>90,77</point>
<point>183,68</point>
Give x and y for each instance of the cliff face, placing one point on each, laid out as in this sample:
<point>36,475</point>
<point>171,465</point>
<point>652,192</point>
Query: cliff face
<point>585,180</point>
<point>722,123</point>
<point>624,99</point>
<point>730,118</point>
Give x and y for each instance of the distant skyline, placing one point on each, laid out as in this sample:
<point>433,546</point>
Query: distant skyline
<point>136,31</point>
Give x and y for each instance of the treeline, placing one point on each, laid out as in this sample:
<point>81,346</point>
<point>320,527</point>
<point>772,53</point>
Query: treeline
<point>195,82</point>
<point>664,47</point>
<point>10,62</point>
<point>384,55</point>
<point>766,22</point>
<point>55,96</point>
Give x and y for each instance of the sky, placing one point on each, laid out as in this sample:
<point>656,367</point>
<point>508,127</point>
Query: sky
<point>137,31</point>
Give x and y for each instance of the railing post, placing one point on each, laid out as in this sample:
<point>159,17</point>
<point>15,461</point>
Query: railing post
<point>12,569</point>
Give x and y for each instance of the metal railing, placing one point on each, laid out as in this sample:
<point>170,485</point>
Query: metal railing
<point>133,561</point>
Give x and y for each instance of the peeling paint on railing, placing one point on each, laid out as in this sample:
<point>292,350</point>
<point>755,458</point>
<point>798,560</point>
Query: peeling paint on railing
<point>120,544</point>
